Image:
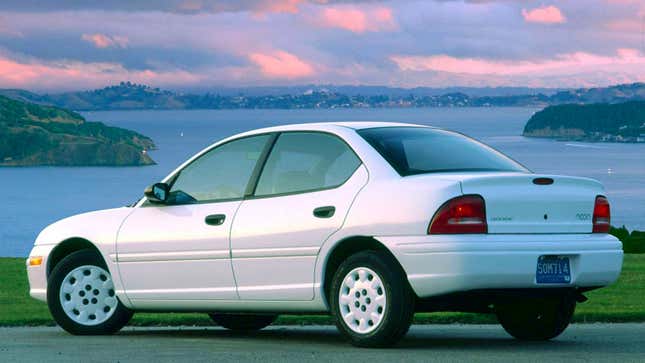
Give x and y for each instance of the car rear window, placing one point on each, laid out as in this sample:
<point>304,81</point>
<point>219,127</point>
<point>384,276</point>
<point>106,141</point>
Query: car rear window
<point>419,150</point>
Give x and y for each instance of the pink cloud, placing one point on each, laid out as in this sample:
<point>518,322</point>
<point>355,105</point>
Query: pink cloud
<point>545,15</point>
<point>280,64</point>
<point>625,25</point>
<point>64,75</point>
<point>106,41</point>
<point>569,63</point>
<point>383,15</point>
<point>280,6</point>
<point>357,20</point>
<point>634,20</point>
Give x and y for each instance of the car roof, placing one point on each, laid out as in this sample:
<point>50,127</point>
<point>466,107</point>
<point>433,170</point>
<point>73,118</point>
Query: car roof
<point>331,126</point>
<point>358,125</point>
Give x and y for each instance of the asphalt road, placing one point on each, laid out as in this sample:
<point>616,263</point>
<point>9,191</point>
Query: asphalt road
<point>486,343</point>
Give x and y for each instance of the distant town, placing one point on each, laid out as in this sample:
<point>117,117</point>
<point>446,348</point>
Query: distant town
<point>130,96</point>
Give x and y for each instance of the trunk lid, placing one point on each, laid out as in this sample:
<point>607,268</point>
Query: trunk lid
<point>515,204</point>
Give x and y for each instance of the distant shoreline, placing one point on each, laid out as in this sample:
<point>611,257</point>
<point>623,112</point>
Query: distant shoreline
<point>38,135</point>
<point>590,140</point>
<point>131,96</point>
<point>597,122</point>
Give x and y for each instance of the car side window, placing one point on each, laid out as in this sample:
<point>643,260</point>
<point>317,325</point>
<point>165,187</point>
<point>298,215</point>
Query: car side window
<point>306,161</point>
<point>221,173</point>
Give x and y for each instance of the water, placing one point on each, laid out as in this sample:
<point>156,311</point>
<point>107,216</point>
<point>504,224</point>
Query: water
<point>34,197</point>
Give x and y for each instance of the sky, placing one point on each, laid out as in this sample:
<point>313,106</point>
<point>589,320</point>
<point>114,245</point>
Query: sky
<point>199,44</point>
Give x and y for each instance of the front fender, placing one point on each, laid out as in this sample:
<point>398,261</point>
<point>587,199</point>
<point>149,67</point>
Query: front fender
<point>100,228</point>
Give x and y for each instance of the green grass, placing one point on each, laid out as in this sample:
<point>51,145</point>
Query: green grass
<point>622,302</point>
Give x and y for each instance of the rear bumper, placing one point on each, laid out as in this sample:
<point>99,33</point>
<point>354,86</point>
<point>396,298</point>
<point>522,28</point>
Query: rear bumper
<point>437,265</point>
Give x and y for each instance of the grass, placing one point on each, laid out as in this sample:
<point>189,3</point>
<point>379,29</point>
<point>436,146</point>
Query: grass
<point>621,302</point>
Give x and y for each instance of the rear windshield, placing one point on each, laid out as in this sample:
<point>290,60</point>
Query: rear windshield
<point>418,150</point>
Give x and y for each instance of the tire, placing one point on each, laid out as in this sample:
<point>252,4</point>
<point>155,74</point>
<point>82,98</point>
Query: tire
<point>243,322</point>
<point>537,318</point>
<point>79,310</point>
<point>371,300</point>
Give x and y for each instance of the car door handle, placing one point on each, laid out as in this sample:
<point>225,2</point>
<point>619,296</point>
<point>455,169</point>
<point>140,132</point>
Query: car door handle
<point>324,212</point>
<point>215,219</point>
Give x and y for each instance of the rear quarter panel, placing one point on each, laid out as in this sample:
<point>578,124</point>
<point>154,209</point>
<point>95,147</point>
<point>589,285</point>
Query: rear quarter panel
<point>393,206</point>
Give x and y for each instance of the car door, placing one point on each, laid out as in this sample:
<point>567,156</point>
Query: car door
<point>180,250</point>
<point>302,196</point>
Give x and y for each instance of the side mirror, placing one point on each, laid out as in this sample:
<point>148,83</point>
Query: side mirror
<point>157,193</point>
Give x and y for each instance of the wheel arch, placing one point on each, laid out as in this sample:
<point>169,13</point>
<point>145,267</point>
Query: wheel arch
<point>345,248</point>
<point>68,246</point>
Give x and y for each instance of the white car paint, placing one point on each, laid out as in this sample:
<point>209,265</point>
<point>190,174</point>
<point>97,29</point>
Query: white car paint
<point>275,240</point>
<point>99,227</point>
<point>170,253</point>
<point>270,254</point>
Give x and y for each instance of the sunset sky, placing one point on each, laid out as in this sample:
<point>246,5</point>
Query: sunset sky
<point>190,44</point>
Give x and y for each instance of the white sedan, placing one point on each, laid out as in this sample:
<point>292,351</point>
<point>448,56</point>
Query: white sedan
<point>368,221</point>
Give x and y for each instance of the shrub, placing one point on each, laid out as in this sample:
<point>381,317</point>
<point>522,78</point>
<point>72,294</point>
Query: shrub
<point>632,243</point>
<point>621,233</point>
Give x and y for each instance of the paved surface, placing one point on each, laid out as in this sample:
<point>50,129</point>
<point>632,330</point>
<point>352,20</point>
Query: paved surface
<point>585,342</point>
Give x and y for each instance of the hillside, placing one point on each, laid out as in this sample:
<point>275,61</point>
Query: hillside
<point>614,94</point>
<point>22,95</point>
<point>33,135</point>
<point>624,122</point>
<point>125,96</point>
<point>129,96</point>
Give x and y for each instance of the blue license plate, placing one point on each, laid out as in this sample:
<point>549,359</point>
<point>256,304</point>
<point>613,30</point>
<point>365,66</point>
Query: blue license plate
<point>553,270</point>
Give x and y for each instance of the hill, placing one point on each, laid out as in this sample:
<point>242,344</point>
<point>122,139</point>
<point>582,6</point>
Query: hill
<point>33,135</point>
<point>124,96</point>
<point>614,94</point>
<point>623,122</point>
<point>129,96</point>
<point>22,95</point>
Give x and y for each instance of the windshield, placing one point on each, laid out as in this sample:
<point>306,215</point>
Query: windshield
<point>418,150</point>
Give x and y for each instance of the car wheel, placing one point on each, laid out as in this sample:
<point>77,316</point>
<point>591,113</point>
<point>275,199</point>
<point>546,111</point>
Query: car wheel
<point>536,319</point>
<point>81,296</point>
<point>371,300</point>
<point>243,322</point>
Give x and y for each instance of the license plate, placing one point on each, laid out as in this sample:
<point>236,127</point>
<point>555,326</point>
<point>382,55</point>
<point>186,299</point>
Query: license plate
<point>553,270</point>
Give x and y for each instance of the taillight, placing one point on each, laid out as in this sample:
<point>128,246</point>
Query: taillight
<point>465,214</point>
<point>601,215</point>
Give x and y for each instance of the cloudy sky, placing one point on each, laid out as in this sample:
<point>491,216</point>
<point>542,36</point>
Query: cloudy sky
<point>187,44</point>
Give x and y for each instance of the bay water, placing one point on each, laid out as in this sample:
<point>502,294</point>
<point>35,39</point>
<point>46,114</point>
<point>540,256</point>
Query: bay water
<point>33,197</point>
